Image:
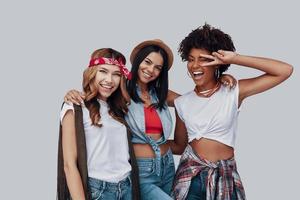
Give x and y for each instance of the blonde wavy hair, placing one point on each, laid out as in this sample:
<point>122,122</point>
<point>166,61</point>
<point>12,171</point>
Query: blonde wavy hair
<point>116,101</point>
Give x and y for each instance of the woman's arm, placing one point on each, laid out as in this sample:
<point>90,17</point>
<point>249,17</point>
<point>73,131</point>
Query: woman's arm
<point>170,98</point>
<point>275,71</point>
<point>180,137</point>
<point>74,181</point>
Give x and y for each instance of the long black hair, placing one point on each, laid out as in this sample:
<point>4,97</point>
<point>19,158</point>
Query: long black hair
<point>160,84</point>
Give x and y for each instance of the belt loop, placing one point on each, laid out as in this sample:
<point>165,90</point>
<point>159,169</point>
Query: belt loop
<point>103,185</point>
<point>129,178</point>
<point>119,193</point>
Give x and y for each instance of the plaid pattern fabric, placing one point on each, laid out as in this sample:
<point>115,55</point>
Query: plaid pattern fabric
<point>222,180</point>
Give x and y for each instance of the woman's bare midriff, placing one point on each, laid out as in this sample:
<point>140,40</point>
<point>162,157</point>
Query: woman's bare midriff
<point>212,150</point>
<point>146,151</point>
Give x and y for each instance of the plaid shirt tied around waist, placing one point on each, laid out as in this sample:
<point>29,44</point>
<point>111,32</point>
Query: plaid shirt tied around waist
<point>222,180</point>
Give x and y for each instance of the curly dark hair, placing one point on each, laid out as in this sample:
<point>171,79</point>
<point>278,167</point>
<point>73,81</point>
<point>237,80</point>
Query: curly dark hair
<point>208,38</point>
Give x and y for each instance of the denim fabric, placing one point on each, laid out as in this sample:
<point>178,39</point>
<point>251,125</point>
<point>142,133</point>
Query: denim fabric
<point>197,189</point>
<point>155,186</point>
<point>102,190</point>
<point>136,121</point>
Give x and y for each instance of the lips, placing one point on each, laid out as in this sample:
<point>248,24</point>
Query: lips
<point>147,75</point>
<point>106,87</point>
<point>197,74</point>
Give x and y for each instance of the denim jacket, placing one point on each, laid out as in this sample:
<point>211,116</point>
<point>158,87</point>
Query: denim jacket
<point>136,121</point>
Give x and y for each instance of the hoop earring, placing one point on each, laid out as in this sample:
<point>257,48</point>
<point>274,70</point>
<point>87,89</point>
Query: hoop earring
<point>188,73</point>
<point>217,73</point>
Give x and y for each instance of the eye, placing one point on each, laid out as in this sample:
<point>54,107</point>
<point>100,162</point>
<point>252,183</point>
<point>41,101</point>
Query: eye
<point>158,67</point>
<point>102,71</point>
<point>205,60</point>
<point>117,74</point>
<point>148,62</point>
<point>190,59</point>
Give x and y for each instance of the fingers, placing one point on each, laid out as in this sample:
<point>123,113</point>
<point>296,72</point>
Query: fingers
<point>207,56</point>
<point>75,97</point>
<point>212,63</point>
<point>67,101</point>
<point>228,80</point>
<point>82,94</point>
<point>233,84</point>
<point>222,52</point>
<point>232,81</point>
<point>225,82</point>
<point>212,58</point>
<point>218,55</point>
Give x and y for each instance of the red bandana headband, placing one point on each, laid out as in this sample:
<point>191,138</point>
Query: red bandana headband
<point>111,61</point>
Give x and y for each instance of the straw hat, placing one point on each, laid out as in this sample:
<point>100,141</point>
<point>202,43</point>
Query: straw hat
<point>156,42</point>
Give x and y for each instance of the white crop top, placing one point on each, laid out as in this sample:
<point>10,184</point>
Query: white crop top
<point>107,147</point>
<point>212,118</point>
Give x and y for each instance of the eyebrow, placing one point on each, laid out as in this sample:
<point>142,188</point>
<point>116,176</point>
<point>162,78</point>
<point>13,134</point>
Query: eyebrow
<point>104,68</point>
<point>200,57</point>
<point>148,59</point>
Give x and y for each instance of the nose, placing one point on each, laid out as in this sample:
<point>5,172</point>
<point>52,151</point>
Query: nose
<point>108,78</point>
<point>151,68</point>
<point>195,64</point>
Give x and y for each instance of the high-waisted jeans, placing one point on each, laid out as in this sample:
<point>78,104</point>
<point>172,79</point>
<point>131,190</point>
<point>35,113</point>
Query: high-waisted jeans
<point>155,186</point>
<point>102,190</point>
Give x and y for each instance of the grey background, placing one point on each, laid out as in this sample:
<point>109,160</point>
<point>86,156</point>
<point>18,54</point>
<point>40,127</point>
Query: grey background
<point>45,46</point>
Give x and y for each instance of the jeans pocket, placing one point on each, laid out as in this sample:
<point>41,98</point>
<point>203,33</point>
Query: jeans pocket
<point>95,191</point>
<point>170,164</point>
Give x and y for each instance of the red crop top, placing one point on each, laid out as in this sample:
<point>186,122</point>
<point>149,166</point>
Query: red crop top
<point>152,121</point>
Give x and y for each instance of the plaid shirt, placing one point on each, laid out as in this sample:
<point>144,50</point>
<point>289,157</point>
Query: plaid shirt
<point>222,180</point>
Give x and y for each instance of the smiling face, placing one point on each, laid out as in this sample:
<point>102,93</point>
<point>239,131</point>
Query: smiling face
<point>204,77</point>
<point>107,80</point>
<point>150,68</point>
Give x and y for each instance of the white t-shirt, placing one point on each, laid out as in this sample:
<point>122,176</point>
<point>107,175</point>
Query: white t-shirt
<point>107,147</point>
<point>214,117</point>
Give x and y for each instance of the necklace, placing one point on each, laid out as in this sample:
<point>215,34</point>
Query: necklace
<point>209,92</point>
<point>145,96</point>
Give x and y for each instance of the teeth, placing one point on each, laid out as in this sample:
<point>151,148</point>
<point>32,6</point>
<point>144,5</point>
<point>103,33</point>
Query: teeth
<point>106,86</point>
<point>198,73</point>
<point>146,74</point>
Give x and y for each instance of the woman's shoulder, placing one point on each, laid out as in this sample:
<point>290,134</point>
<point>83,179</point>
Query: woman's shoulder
<point>186,95</point>
<point>181,100</point>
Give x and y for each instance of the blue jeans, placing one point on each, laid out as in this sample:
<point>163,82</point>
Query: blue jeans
<point>153,186</point>
<point>197,189</point>
<point>102,190</point>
